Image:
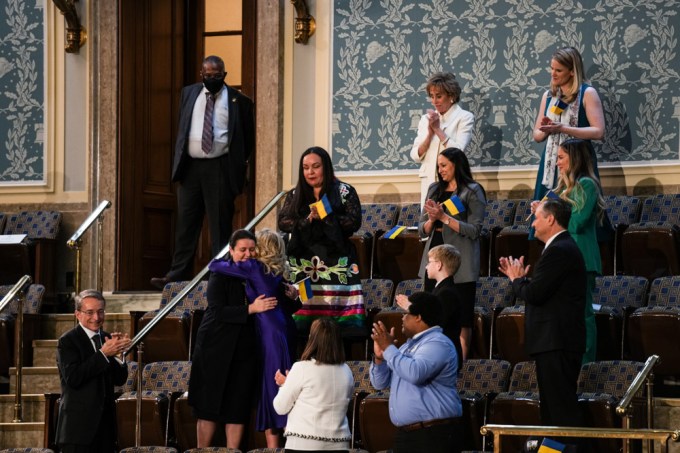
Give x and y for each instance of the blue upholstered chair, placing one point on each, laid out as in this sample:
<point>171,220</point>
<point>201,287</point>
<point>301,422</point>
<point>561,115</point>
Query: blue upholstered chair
<point>493,294</point>
<point>399,258</point>
<point>172,338</point>
<point>617,297</point>
<point>651,247</point>
<point>479,381</point>
<point>498,215</point>
<point>162,384</point>
<point>655,329</point>
<point>376,218</point>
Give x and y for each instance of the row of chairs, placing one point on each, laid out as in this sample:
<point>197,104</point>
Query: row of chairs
<point>494,391</point>
<point>635,319</point>
<point>644,238</point>
<point>36,255</point>
<point>166,418</point>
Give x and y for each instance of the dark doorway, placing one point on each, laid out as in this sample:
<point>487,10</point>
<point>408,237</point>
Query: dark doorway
<point>161,46</point>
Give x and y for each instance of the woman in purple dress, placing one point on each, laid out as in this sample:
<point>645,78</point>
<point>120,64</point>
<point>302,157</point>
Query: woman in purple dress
<point>275,328</point>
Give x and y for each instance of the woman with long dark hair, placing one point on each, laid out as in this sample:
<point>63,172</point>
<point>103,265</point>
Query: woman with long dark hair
<point>319,247</point>
<point>460,228</point>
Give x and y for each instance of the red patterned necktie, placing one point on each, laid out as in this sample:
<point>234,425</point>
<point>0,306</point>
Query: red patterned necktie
<point>207,138</point>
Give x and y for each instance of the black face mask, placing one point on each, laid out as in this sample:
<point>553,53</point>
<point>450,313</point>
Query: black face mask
<point>213,85</point>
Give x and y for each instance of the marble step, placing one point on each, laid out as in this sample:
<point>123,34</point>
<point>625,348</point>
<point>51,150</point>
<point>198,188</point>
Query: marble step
<point>32,408</point>
<point>44,353</point>
<point>126,302</point>
<point>36,380</point>
<point>22,435</point>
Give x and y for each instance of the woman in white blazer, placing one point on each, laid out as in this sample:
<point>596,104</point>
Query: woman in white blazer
<point>315,393</point>
<point>447,126</point>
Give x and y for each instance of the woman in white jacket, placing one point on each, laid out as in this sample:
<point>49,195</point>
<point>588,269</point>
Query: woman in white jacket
<point>315,393</point>
<point>447,126</point>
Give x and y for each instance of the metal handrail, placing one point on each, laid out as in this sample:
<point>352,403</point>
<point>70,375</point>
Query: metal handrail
<point>75,242</point>
<point>104,205</point>
<point>624,405</point>
<point>18,286</point>
<point>192,284</point>
<point>661,435</point>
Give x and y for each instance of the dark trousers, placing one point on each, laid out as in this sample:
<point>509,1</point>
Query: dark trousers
<point>204,189</point>
<point>557,373</point>
<point>435,439</point>
<point>104,440</point>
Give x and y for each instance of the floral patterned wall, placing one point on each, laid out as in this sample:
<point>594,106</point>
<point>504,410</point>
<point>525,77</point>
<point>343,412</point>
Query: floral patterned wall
<point>22,159</point>
<point>384,51</point>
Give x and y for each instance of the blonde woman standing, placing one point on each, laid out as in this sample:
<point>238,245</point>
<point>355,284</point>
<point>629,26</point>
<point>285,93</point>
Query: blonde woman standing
<point>569,109</point>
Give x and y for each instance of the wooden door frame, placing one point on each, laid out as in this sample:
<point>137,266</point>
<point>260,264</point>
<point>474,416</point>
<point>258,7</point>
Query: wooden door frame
<point>131,254</point>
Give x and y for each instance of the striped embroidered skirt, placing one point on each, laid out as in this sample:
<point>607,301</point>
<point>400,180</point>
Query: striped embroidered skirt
<point>336,291</point>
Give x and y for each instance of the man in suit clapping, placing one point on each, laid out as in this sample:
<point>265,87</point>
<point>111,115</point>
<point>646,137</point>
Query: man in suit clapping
<point>90,364</point>
<point>555,306</point>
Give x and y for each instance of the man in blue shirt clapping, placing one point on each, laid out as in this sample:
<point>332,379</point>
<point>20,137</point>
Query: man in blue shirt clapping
<point>424,404</point>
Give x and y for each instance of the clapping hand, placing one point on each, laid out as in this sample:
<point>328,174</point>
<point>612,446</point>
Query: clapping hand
<point>513,268</point>
<point>381,338</point>
<point>280,378</point>
<point>434,210</point>
<point>115,344</point>
<point>403,302</point>
<point>549,126</point>
<point>433,121</point>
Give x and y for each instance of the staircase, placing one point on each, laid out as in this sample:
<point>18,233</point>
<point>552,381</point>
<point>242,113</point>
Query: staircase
<point>43,376</point>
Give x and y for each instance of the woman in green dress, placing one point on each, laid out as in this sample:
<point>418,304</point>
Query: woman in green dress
<point>578,185</point>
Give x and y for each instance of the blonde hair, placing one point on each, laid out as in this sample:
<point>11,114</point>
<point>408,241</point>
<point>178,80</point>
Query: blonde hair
<point>448,255</point>
<point>570,58</point>
<point>271,252</point>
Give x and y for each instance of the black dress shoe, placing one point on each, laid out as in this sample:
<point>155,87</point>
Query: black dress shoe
<point>159,282</point>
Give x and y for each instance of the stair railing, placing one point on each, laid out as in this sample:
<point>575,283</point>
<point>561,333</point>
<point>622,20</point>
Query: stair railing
<point>651,435</point>
<point>623,409</point>
<point>137,341</point>
<point>645,376</point>
<point>19,289</point>
<point>76,241</point>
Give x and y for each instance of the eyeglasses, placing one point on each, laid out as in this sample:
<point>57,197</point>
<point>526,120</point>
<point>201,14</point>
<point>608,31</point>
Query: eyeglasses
<point>91,313</point>
<point>432,261</point>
